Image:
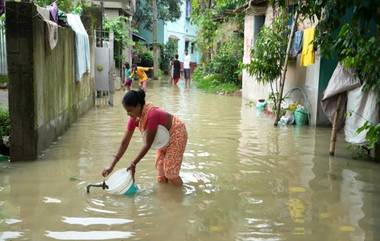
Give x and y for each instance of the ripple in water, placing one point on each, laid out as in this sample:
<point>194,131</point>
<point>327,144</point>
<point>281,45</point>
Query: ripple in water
<point>90,235</point>
<point>86,221</point>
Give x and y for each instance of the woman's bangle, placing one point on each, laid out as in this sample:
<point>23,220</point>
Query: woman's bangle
<point>133,164</point>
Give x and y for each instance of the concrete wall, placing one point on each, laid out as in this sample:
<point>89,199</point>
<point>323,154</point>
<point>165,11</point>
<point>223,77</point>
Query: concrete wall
<point>44,98</point>
<point>306,78</point>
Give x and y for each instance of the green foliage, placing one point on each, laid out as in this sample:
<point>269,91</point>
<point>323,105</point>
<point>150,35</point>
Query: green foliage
<point>212,82</point>
<point>3,79</point>
<point>67,6</point>
<point>64,5</point>
<point>268,53</point>
<point>226,63</point>
<point>168,10</point>
<point>144,55</point>
<point>373,133</point>
<point>350,31</point>
<point>146,59</point>
<point>5,123</point>
<point>122,34</point>
<point>208,16</point>
<point>206,32</point>
<point>167,53</point>
<point>347,29</point>
<point>222,52</point>
<point>119,27</point>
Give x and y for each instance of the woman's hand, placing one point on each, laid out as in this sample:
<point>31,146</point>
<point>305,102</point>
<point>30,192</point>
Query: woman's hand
<point>132,168</point>
<point>106,171</point>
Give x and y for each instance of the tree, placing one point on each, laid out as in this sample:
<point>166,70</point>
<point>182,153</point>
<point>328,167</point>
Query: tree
<point>148,12</point>
<point>268,56</point>
<point>167,10</point>
<point>155,43</point>
<point>208,15</point>
<point>64,5</point>
<point>350,31</point>
<point>121,34</point>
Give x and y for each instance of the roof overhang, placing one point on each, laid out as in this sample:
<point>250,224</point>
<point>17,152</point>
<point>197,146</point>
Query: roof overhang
<point>251,4</point>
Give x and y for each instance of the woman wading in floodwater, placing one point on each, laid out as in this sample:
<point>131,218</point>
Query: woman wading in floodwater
<point>147,117</point>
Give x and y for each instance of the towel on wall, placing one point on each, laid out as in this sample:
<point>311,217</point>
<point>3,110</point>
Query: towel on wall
<point>82,46</point>
<point>50,26</point>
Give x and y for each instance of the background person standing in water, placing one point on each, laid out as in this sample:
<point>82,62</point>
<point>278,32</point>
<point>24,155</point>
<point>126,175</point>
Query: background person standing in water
<point>176,70</point>
<point>140,73</point>
<point>186,69</point>
<point>147,117</point>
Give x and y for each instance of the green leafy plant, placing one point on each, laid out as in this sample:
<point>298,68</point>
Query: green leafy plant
<point>122,35</point>
<point>226,63</point>
<point>5,122</point>
<point>373,133</point>
<point>64,5</point>
<point>168,10</point>
<point>144,55</point>
<point>211,82</point>
<point>146,59</point>
<point>167,53</point>
<point>3,79</point>
<point>350,31</point>
<point>268,55</point>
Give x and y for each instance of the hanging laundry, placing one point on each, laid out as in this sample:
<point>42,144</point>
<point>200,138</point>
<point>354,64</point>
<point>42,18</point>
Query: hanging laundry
<point>297,44</point>
<point>362,106</point>
<point>62,19</point>
<point>341,81</point>
<point>53,9</point>
<point>82,46</point>
<point>51,27</point>
<point>2,7</point>
<point>308,55</point>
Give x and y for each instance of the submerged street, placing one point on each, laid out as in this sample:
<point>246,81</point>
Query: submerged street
<point>243,180</point>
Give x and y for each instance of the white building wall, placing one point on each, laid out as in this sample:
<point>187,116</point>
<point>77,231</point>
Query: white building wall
<point>183,30</point>
<point>306,78</point>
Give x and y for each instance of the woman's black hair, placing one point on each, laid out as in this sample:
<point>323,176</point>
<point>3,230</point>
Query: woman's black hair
<point>127,66</point>
<point>134,97</point>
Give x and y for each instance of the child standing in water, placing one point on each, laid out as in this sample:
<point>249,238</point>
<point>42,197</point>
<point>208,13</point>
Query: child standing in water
<point>147,117</point>
<point>140,72</point>
<point>127,76</point>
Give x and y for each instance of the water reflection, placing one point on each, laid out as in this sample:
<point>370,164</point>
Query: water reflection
<point>243,180</point>
<point>90,235</point>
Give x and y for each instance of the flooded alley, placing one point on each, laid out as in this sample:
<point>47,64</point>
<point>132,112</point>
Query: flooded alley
<point>244,180</point>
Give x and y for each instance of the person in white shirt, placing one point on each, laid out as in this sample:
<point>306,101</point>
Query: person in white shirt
<point>186,68</point>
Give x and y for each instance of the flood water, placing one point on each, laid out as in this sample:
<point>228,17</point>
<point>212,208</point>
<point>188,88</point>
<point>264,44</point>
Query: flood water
<point>243,180</point>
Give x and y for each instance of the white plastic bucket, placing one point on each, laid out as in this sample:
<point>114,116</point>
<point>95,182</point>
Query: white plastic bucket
<point>120,182</point>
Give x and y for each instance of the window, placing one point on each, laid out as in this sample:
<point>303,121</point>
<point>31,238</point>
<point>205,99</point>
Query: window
<point>259,21</point>
<point>192,47</point>
<point>187,45</point>
<point>188,8</point>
